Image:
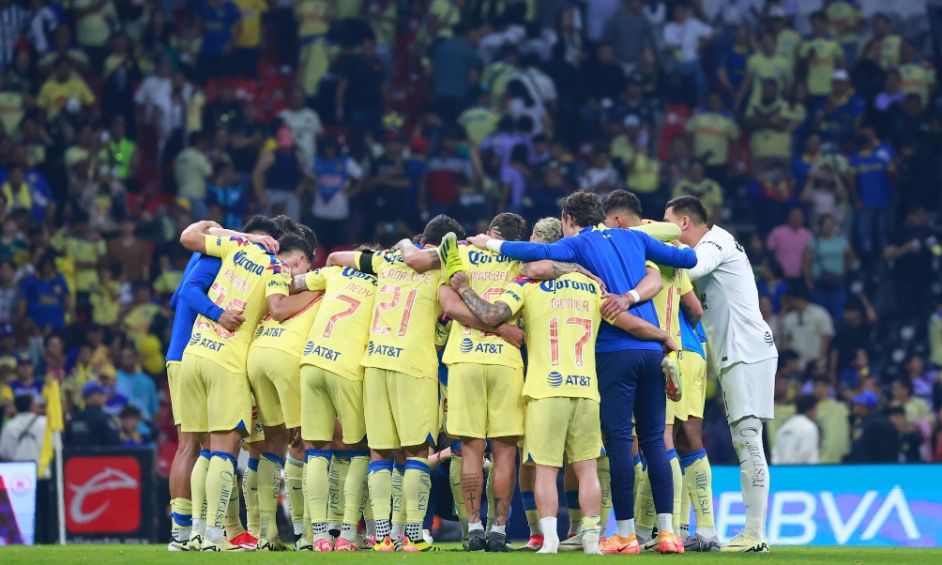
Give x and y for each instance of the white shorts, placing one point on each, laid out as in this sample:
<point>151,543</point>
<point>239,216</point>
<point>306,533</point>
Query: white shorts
<point>749,390</point>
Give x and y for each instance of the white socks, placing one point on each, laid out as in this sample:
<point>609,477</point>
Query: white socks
<point>625,527</point>
<point>753,473</point>
<point>665,522</point>
<point>550,536</point>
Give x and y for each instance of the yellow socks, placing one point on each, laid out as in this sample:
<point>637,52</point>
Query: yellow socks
<point>339,466</point>
<point>219,484</point>
<point>250,493</point>
<point>294,488</point>
<point>181,519</point>
<point>233,523</point>
<point>317,489</point>
<point>379,480</point>
<point>678,478</point>
<point>270,466</point>
<point>398,501</point>
<point>605,482</point>
<point>645,515</point>
<point>353,488</point>
<point>198,493</point>
<point>575,512</point>
<point>699,481</point>
<point>416,484</point>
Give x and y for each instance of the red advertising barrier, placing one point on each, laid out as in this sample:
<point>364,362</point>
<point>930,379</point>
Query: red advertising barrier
<point>109,495</point>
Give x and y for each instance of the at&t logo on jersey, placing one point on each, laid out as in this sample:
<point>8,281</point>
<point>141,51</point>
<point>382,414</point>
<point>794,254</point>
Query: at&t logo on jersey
<point>210,344</point>
<point>383,350</point>
<point>269,332</point>
<point>321,351</point>
<point>556,379</point>
<point>195,338</point>
<point>468,346</point>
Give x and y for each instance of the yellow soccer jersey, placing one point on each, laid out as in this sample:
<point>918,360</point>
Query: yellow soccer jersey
<point>405,312</point>
<point>341,330</point>
<point>248,275</point>
<point>562,317</point>
<point>489,273</point>
<point>287,336</point>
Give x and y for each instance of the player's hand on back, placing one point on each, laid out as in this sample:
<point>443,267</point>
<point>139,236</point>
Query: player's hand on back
<point>670,346</point>
<point>231,320</point>
<point>266,241</point>
<point>480,240</point>
<point>615,304</point>
<point>511,334</point>
<point>459,281</point>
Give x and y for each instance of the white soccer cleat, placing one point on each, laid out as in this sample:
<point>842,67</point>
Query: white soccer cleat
<point>743,543</point>
<point>175,545</point>
<point>572,543</point>
<point>671,370</point>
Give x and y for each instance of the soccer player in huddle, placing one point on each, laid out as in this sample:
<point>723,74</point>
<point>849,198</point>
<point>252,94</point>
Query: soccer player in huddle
<point>400,383</point>
<point>629,368</point>
<point>485,379</point>
<point>214,386</point>
<point>273,368</point>
<point>332,390</point>
<point>562,317</point>
<point>623,210</point>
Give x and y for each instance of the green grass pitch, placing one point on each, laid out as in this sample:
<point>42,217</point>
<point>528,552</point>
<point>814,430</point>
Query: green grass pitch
<point>451,554</point>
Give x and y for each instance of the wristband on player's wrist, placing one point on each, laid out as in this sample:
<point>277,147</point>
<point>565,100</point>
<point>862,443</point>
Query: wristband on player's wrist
<point>494,245</point>
<point>635,297</point>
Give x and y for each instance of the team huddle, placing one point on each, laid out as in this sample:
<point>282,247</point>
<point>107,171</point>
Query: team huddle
<point>580,349</point>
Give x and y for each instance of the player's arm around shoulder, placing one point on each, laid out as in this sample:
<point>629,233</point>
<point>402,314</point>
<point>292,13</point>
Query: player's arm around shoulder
<point>277,289</point>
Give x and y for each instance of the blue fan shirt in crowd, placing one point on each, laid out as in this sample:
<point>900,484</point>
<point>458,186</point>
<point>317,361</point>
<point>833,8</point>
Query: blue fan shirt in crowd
<point>691,338</point>
<point>190,299</point>
<point>604,251</point>
<point>218,23</point>
<point>140,391</point>
<point>45,300</point>
<point>873,168</point>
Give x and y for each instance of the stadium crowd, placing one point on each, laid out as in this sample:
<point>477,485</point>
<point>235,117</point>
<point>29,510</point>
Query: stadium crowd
<point>814,136</point>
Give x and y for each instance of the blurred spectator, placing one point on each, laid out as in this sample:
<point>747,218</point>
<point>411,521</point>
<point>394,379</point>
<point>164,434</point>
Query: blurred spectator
<point>935,336</point>
<point>90,426</point>
<point>708,190</point>
<point>833,419</point>
<point>9,293</point>
<point>455,70</point>
<point>824,188</point>
<point>336,177</point>
<point>130,428</point>
<point>911,255</point>
<point>128,253</point>
<point>820,56</point>
<point>910,439</point>
<point>916,409</point>
<point>45,297</point>
<point>192,170</point>
<point>807,328</point>
<point>685,38</point>
<point>630,32</point>
<point>135,385</point>
<point>13,18</point>
<point>788,244</point>
<point>857,371</point>
<point>921,378</point>
<point>248,36</point>
<point>22,436</point>
<point>874,167</point>
<point>713,130</point>
<point>874,439</point>
<point>279,174</point>
<point>797,440</point>
<point>827,261</point>
<point>359,94</point>
<point>305,125</point>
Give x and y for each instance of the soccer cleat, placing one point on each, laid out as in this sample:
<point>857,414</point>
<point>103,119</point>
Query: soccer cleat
<point>496,543</point>
<point>420,546</point>
<point>385,545</point>
<point>743,543</point>
<point>248,542</point>
<point>223,546</point>
<point>448,255</point>
<point>648,544</point>
<point>366,542</point>
<point>668,543</point>
<point>572,543</point>
<point>176,545</point>
<point>302,544</point>
<point>343,544</point>
<point>620,545</point>
<point>476,540</point>
<point>671,376</point>
<point>590,541</point>
<point>700,544</point>
<point>323,545</point>
<point>534,543</point>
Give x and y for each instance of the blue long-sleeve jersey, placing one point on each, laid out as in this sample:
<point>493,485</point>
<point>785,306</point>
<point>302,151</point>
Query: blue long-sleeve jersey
<point>190,299</point>
<point>617,256</point>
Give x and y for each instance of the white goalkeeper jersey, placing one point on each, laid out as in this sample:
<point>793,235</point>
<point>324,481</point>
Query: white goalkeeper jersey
<point>726,286</point>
